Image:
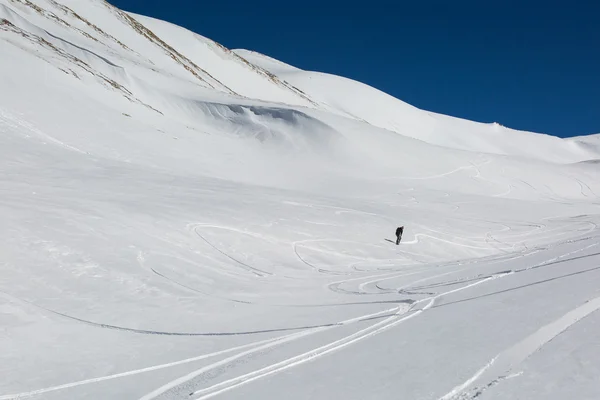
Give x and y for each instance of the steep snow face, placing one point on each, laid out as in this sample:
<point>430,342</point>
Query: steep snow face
<point>180,221</point>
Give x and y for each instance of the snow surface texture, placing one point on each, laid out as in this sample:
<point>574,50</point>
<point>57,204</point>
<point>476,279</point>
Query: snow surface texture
<point>180,221</point>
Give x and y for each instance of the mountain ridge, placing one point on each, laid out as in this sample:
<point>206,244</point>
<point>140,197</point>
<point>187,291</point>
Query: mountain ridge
<point>117,36</point>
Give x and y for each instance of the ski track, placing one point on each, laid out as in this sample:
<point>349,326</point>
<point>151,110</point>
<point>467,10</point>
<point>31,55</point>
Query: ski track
<point>588,187</point>
<point>305,357</point>
<point>132,372</point>
<point>17,123</point>
<point>323,350</point>
<point>424,235</point>
<point>259,345</point>
<point>141,262</point>
<point>318,269</point>
<point>284,339</point>
<point>213,334</point>
<point>501,365</point>
<point>300,359</point>
<point>464,167</point>
<point>335,286</point>
<point>548,262</point>
<point>255,271</point>
<point>365,333</point>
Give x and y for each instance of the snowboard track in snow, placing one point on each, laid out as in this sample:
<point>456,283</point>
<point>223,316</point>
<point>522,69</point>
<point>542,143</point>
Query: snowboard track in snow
<point>240,333</point>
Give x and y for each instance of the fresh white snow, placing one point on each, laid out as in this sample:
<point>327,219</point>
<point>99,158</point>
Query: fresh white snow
<point>180,221</point>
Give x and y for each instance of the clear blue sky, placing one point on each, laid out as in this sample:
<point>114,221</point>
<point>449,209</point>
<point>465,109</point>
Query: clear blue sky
<point>529,64</point>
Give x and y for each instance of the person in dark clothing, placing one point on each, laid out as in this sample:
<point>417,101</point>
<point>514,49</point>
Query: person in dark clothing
<point>399,232</point>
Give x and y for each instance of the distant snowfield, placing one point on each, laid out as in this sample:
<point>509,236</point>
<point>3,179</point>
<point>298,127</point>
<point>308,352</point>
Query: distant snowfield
<point>180,221</point>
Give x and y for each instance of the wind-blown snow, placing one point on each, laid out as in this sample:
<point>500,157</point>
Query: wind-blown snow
<point>354,99</point>
<point>184,221</point>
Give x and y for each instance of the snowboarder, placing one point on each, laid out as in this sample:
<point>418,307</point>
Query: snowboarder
<point>399,232</point>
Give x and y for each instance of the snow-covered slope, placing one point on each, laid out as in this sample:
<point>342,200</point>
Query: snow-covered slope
<point>591,143</point>
<point>365,103</point>
<point>184,221</point>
